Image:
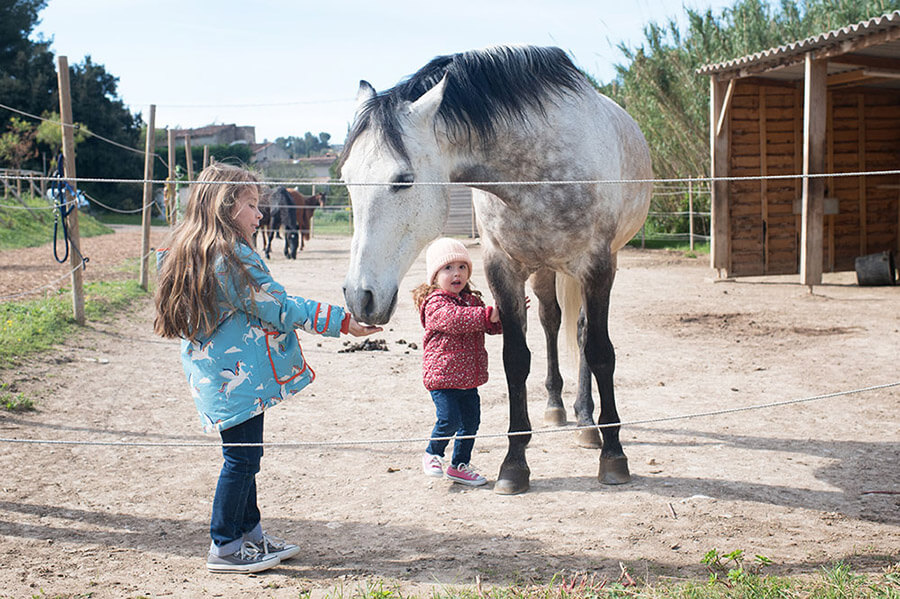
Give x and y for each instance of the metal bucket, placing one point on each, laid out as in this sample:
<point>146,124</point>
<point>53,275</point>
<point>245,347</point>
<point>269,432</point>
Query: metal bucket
<point>876,269</point>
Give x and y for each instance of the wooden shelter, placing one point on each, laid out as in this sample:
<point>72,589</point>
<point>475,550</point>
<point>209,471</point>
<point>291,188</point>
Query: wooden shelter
<point>826,105</point>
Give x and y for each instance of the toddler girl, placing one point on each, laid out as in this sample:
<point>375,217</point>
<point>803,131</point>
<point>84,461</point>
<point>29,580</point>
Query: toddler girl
<point>455,361</point>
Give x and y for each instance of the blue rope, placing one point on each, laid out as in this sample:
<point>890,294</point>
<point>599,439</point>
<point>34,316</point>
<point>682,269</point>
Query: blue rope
<point>59,187</point>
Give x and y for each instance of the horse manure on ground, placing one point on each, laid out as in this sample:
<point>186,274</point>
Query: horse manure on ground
<point>365,345</point>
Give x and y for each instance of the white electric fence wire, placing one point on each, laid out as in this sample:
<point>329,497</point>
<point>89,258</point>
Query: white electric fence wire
<point>338,183</point>
<point>340,443</point>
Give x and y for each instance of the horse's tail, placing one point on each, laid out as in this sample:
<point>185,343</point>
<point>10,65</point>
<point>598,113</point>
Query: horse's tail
<point>569,297</point>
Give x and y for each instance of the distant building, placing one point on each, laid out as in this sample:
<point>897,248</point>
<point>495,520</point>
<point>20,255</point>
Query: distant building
<point>268,152</point>
<point>215,135</point>
<point>319,166</point>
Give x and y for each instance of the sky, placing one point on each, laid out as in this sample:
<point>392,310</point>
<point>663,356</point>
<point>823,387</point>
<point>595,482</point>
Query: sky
<point>291,66</point>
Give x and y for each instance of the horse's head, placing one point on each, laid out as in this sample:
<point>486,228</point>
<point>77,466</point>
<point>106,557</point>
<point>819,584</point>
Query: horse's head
<point>393,217</point>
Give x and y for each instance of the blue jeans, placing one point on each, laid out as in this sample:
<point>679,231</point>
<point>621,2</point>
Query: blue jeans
<point>234,509</point>
<point>458,413</point>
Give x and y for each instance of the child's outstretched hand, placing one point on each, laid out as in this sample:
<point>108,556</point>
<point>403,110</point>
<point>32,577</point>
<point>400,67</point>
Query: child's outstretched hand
<point>358,329</point>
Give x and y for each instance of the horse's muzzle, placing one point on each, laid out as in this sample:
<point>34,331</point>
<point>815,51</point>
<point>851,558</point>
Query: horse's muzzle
<point>368,306</point>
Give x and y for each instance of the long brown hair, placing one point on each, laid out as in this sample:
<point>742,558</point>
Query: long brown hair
<point>187,290</point>
<point>424,290</point>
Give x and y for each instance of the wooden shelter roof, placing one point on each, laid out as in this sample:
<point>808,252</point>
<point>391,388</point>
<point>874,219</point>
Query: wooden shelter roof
<point>866,53</point>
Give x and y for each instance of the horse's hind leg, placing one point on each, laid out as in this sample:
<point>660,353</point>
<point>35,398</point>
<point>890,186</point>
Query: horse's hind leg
<point>601,358</point>
<point>543,283</point>
<point>584,402</point>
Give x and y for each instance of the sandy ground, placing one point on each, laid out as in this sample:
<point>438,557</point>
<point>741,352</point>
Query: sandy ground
<point>805,484</point>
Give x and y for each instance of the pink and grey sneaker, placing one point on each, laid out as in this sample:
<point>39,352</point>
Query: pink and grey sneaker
<point>465,474</point>
<point>432,465</point>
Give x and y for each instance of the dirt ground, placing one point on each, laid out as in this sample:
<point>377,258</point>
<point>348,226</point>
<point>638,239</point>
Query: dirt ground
<point>806,484</point>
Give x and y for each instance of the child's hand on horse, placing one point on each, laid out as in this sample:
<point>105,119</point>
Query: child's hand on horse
<point>358,329</point>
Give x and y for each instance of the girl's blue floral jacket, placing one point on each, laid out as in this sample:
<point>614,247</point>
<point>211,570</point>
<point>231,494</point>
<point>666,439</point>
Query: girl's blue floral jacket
<point>252,361</point>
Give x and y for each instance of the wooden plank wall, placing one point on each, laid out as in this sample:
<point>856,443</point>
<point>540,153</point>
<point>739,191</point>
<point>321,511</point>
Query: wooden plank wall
<point>764,141</point>
<point>865,137</point>
<point>863,134</point>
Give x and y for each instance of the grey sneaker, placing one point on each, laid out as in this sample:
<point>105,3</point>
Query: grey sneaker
<point>275,546</point>
<point>246,560</point>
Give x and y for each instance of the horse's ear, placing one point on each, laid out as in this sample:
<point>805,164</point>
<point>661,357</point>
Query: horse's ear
<point>365,93</point>
<point>427,105</point>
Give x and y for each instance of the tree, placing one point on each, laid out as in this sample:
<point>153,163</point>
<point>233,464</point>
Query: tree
<point>27,74</point>
<point>660,88</point>
<point>96,104</point>
<point>17,144</point>
<point>49,132</point>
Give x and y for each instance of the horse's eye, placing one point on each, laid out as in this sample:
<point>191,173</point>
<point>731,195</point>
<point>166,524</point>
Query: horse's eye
<point>402,181</point>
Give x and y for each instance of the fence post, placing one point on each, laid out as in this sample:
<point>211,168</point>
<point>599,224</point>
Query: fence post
<point>148,198</point>
<point>189,156</point>
<point>205,156</point>
<point>171,211</point>
<point>68,138</point>
<point>691,212</point>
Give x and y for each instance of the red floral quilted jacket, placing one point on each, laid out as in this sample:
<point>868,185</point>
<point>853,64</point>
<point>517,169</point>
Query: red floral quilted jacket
<point>454,354</point>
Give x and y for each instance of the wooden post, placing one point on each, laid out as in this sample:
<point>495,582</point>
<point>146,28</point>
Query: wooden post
<point>68,136</point>
<point>764,173</point>
<point>719,141</point>
<point>205,156</point>
<point>829,183</point>
<point>691,213</point>
<point>861,166</point>
<point>171,212</point>
<point>812,202</point>
<point>148,198</point>
<point>189,156</point>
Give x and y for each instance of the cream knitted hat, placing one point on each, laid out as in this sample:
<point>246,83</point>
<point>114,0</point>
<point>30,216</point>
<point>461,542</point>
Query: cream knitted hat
<point>442,252</point>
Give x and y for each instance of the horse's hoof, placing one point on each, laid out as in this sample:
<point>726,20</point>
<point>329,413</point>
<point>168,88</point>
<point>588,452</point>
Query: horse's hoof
<point>614,471</point>
<point>555,416</point>
<point>510,487</point>
<point>589,438</point>
<point>512,481</point>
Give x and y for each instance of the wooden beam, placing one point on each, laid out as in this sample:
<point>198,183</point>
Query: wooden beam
<point>854,45</point>
<point>723,111</point>
<point>813,198</point>
<point>861,166</point>
<point>763,182</point>
<point>877,62</point>
<point>829,164</point>
<point>719,140</point>
<point>847,77</point>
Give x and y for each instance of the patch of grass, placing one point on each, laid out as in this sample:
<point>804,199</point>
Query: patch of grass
<point>14,402</point>
<point>34,326</point>
<point>117,218</point>
<point>700,248</point>
<point>32,227</point>
<point>735,579</point>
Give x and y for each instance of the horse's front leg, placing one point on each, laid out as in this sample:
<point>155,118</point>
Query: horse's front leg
<point>543,283</point>
<point>601,358</point>
<point>508,289</point>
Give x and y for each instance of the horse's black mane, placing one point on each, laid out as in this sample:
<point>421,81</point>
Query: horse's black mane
<point>484,88</point>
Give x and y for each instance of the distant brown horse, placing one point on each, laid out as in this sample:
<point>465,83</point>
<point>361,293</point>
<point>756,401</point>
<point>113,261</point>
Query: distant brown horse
<point>304,207</point>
